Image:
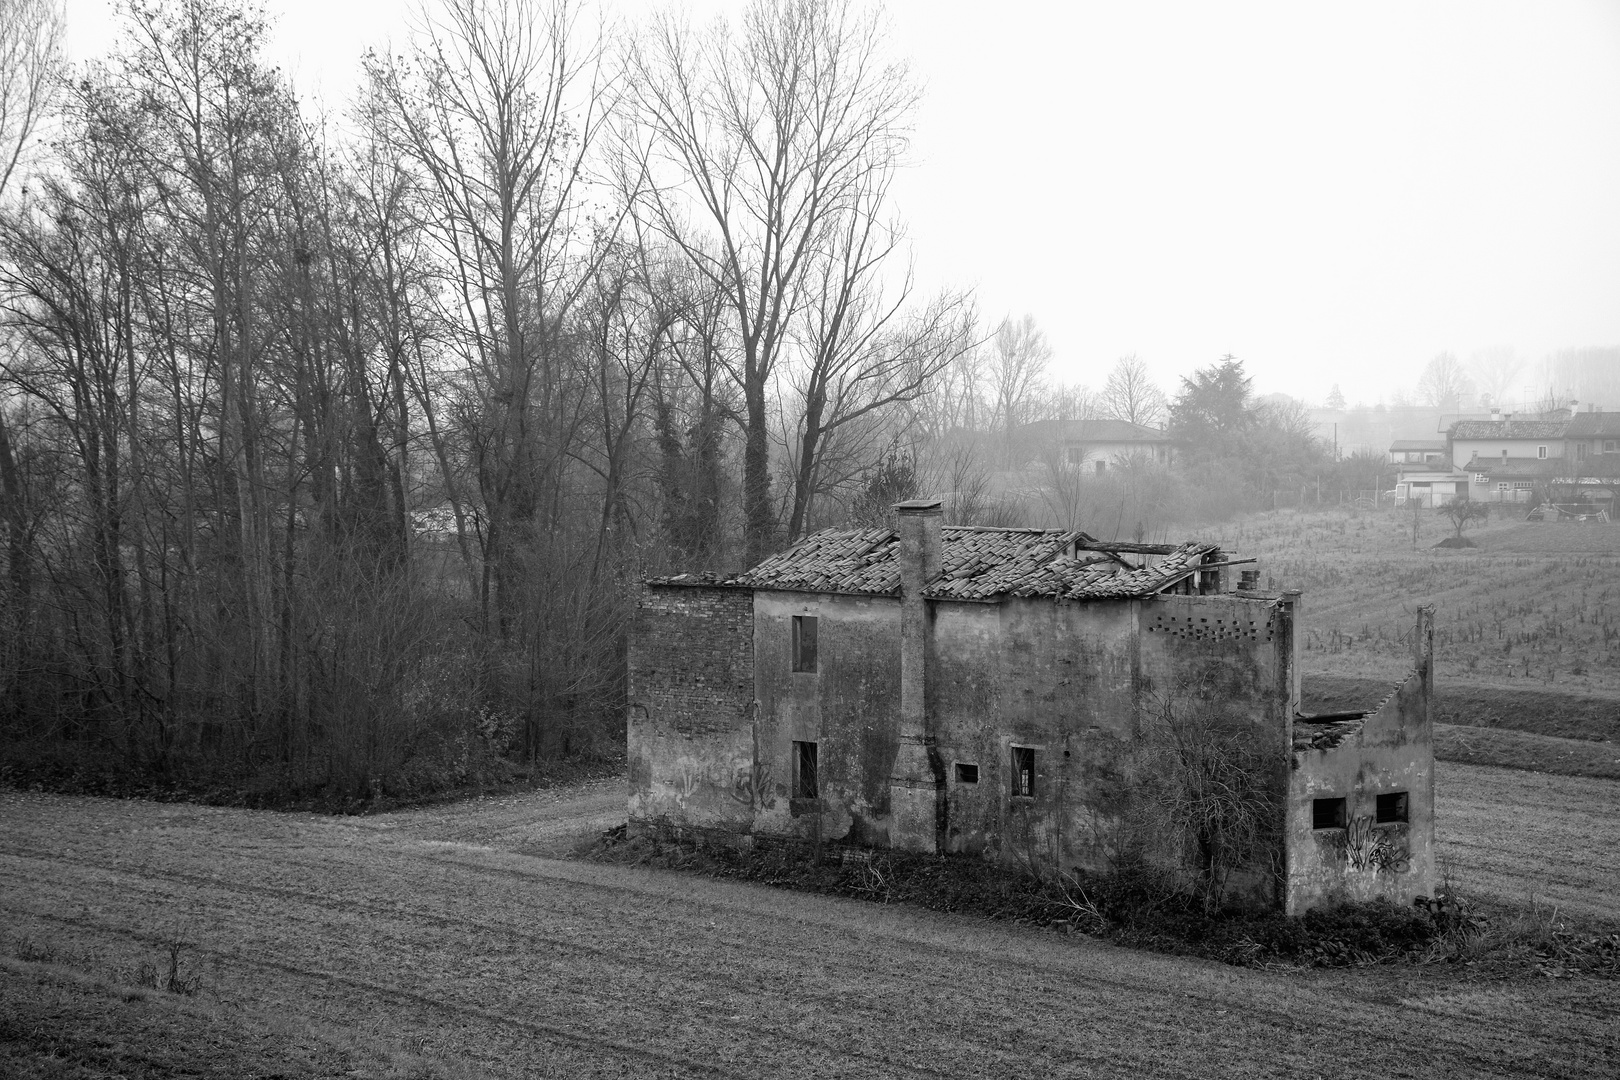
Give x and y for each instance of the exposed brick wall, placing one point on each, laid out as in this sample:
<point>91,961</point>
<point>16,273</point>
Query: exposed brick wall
<point>692,658</point>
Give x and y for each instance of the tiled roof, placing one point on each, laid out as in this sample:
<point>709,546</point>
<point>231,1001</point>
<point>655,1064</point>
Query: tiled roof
<point>975,564</point>
<point>1508,429</point>
<point>1594,425</point>
<point>1093,429</point>
<point>1504,468</point>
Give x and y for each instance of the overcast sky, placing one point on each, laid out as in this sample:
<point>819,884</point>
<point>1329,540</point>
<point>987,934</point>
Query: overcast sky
<point>1331,192</point>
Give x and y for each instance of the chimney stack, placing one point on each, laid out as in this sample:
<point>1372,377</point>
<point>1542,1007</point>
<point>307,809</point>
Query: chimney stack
<point>917,787</point>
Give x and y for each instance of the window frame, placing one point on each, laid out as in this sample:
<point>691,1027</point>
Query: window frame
<point>1023,769</point>
<point>1541,452</point>
<point>1393,808</point>
<point>966,772</point>
<point>803,643</point>
<point>806,782</point>
<point>1338,816</point>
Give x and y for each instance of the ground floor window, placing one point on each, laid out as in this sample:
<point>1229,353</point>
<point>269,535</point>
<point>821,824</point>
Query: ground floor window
<point>1327,814</point>
<point>1023,771</point>
<point>805,783</point>
<point>1392,807</point>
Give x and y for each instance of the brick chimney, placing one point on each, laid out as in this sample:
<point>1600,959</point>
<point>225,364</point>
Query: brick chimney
<point>917,785</point>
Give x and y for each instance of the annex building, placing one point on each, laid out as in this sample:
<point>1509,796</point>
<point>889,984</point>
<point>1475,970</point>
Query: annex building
<point>1033,697</point>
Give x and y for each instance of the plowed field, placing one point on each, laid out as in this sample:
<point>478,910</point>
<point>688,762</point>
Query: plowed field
<point>446,943</point>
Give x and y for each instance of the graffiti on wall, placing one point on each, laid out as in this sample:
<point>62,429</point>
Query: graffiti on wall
<point>751,778</point>
<point>1367,847</point>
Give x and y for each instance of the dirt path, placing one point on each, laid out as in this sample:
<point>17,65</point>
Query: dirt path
<point>414,930</point>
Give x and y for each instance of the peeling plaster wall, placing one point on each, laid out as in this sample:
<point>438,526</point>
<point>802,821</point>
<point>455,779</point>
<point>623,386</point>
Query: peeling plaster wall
<point>691,692</point>
<point>1070,680</point>
<point>1392,751</point>
<point>848,707</point>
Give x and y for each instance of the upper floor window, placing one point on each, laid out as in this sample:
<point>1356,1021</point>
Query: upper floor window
<point>1102,467</point>
<point>1611,446</point>
<point>804,643</point>
<point>1541,451</point>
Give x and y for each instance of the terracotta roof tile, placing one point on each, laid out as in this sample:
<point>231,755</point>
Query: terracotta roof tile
<point>975,564</point>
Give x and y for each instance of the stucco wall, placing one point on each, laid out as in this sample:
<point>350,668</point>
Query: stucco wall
<point>1465,450</point>
<point>848,707</point>
<point>1392,752</point>
<point>1071,681</point>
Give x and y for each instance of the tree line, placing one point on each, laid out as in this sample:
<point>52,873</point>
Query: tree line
<point>332,446</point>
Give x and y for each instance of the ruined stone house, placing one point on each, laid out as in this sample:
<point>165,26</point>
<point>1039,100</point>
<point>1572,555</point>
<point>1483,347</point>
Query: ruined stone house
<point>1022,695</point>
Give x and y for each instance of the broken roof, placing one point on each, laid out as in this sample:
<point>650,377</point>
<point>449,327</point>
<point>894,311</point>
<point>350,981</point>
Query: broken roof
<point>976,564</point>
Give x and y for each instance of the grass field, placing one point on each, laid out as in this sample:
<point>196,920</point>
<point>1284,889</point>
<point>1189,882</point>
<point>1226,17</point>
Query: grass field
<point>1527,623</point>
<point>444,943</point>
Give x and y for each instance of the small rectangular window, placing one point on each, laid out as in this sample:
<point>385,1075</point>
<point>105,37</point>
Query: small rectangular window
<point>1541,451</point>
<point>1102,467</point>
<point>1023,771</point>
<point>805,785</point>
<point>804,643</point>
<point>1392,807</point>
<point>1327,814</point>
<point>1610,445</point>
<point>966,774</point>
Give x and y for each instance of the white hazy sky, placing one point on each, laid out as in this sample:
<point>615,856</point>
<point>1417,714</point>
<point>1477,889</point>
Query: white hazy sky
<point>1332,192</point>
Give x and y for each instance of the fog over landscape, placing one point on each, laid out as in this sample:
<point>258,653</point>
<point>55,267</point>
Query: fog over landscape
<point>809,537</point>
<point>1335,193</point>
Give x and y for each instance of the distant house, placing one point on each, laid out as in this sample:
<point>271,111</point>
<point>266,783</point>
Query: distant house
<point>1417,455</point>
<point>1097,444</point>
<point>1568,459</point>
<point>1025,696</point>
<point>1591,465</point>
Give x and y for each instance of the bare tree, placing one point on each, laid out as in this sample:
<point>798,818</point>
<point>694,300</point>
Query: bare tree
<point>859,352</point>
<point>30,44</point>
<point>751,149</point>
<point>1131,395</point>
<point>1018,357</point>
<point>1496,372</point>
<point>499,109</point>
<point>1444,384</point>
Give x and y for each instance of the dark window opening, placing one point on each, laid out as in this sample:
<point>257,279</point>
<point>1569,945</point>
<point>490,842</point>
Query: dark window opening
<point>1327,814</point>
<point>1102,467</point>
<point>804,771</point>
<point>804,643</point>
<point>1392,807</point>
<point>1023,771</point>
<point>966,774</point>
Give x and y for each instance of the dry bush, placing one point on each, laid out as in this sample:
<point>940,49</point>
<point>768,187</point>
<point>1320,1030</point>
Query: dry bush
<point>1210,797</point>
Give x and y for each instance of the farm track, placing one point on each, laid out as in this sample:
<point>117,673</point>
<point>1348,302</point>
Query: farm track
<point>433,929</point>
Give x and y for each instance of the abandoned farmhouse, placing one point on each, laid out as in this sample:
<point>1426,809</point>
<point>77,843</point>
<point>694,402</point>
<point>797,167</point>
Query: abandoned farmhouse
<point>1033,697</point>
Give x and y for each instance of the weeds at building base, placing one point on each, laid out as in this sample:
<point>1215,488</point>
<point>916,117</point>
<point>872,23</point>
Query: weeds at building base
<point>1491,941</point>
